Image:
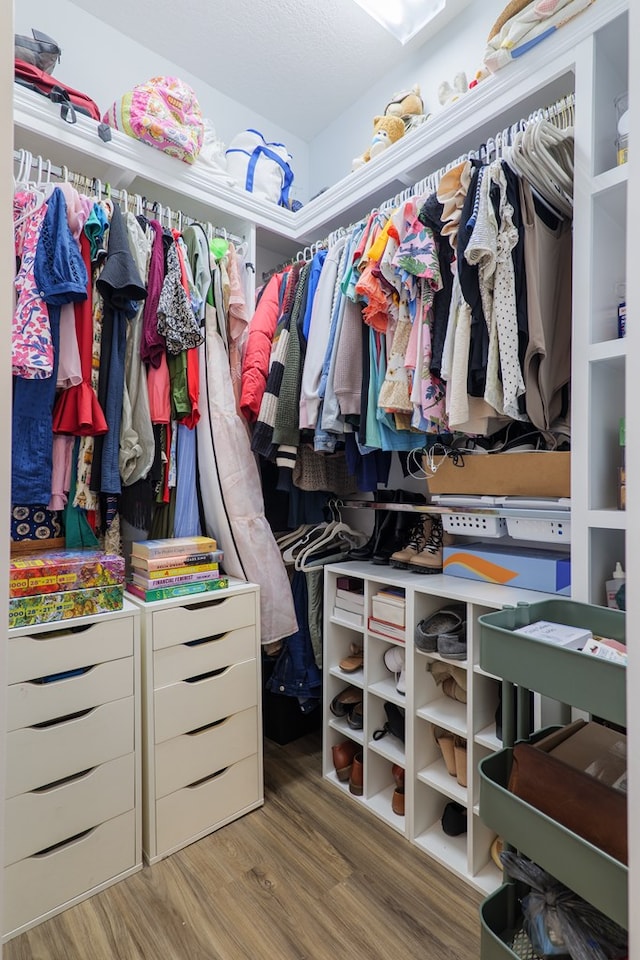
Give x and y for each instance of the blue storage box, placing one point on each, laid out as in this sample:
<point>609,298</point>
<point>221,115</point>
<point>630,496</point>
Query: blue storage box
<point>533,569</point>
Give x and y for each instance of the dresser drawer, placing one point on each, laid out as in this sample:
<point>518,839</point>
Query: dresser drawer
<point>67,648</point>
<point>38,756</point>
<point>207,618</point>
<point>39,884</point>
<point>188,705</point>
<point>200,656</point>
<point>190,757</point>
<point>192,810</point>
<point>38,820</point>
<point>58,696</point>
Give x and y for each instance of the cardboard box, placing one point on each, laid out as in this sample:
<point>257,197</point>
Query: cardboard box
<point>58,571</point>
<point>551,775</point>
<point>592,748</point>
<point>533,569</point>
<point>535,474</point>
<point>49,607</point>
<point>389,609</point>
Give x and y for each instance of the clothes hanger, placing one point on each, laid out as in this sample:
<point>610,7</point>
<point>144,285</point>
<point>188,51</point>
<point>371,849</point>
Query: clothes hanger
<point>291,552</point>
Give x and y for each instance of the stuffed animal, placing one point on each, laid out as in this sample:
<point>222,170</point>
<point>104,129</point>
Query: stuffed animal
<point>478,77</point>
<point>406,104</point>
<point>448,94</point>
<point>386,130</point>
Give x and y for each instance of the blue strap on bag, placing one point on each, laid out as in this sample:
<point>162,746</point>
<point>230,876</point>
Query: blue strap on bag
<point>269,152</point>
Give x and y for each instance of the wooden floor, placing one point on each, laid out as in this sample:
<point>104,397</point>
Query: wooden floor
<point>307,877</point>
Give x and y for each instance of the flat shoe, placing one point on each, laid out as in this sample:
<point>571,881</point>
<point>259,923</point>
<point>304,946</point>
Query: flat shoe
<point>343,701</point>
<point>448,620</point>
<point>452,647</point>
<point>355,717</point>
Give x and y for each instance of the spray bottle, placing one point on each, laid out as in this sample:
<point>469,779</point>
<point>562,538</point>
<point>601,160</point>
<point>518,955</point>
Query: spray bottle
<point>616,589</point>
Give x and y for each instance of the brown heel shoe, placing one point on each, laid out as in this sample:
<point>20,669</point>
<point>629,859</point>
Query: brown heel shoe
<point>460,753</point>
<point>444,739</point>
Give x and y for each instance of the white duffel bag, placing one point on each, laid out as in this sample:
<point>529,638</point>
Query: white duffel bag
<point>260,167</point>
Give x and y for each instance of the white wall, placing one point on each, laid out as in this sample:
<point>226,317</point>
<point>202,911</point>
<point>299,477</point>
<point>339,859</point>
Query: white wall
<point>105,63</point>
<point>459,46</point>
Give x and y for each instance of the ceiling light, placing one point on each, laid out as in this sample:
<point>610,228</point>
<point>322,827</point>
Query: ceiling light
<point>404,19</point>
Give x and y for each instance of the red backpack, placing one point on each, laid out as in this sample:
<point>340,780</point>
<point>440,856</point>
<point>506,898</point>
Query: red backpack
<point>70,100</point>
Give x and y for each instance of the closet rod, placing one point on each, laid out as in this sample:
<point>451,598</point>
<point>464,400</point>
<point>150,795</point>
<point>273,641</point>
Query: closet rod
<point>307,253</point>
<point>27,161</point>
<point>559,113</point>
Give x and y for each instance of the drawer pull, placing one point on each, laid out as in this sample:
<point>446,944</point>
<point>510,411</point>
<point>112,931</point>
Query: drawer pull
<point>212,776</point>
<point>58,783</point>
<point>66,675</point>
<point>197,643</point>
<point>207,726</point>
<point>63,632</point>
<point>205,604</point>
<point>64,843</point>
<point>206,676</point>
<point>60,720</point>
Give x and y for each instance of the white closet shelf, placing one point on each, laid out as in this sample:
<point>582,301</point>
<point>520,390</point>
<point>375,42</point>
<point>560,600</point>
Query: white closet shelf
<point>532,513</point>
<point>607,519</point>
<point>608,350</point>
<point>610,179</point>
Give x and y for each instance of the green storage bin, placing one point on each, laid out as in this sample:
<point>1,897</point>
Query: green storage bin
<point>500,921</point>
<point>569,676</point>
<point>584,868</point>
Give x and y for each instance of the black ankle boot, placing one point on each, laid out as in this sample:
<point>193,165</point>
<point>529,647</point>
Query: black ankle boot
<point>396,530</point>
<point>365,552</point>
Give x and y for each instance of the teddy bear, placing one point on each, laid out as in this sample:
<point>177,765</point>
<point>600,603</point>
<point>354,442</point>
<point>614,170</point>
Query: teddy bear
<point>406,104</point>
<point>386,130</point>
<point>448,94</point>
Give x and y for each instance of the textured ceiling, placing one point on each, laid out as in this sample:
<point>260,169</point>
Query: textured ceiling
<point>296,62</point>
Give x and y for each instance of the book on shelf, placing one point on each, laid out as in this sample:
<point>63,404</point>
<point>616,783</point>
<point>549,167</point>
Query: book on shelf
<point>187,569</point>
<point>348,616</point>
<point>351,584</point>
<point>386,629</point>
<point>343,603</point>
<point>179,560</point>
<point>180,590</point>
<point>395,594</point>
<point>173,547</point>
<point>148,584</point>
<point>350,595</point>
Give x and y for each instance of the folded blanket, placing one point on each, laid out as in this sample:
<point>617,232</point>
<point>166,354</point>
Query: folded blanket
<point>528,26</point>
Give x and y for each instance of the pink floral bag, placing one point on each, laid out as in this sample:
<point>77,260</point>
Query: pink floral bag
<point>163,112</point>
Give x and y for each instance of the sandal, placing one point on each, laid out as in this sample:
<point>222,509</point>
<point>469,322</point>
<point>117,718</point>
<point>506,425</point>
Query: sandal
<point>354,661</point>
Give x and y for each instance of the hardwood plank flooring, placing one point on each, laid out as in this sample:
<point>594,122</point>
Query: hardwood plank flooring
<point>309,876</point>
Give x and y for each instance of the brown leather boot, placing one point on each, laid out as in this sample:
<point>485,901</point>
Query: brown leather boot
<point>343,754</point>
<point>356,779</point>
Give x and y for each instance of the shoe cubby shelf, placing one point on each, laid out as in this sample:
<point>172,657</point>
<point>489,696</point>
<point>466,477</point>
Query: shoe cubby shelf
<point>429,787</point>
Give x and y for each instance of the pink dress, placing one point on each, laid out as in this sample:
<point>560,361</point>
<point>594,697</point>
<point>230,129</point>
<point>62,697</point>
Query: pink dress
<point>31,343</point>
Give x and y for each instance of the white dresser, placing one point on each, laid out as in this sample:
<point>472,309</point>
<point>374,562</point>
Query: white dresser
<point>202,719</point>
<point>73,779</point>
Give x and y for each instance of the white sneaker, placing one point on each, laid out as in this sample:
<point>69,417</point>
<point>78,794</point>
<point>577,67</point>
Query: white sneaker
<point>394,661</point>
